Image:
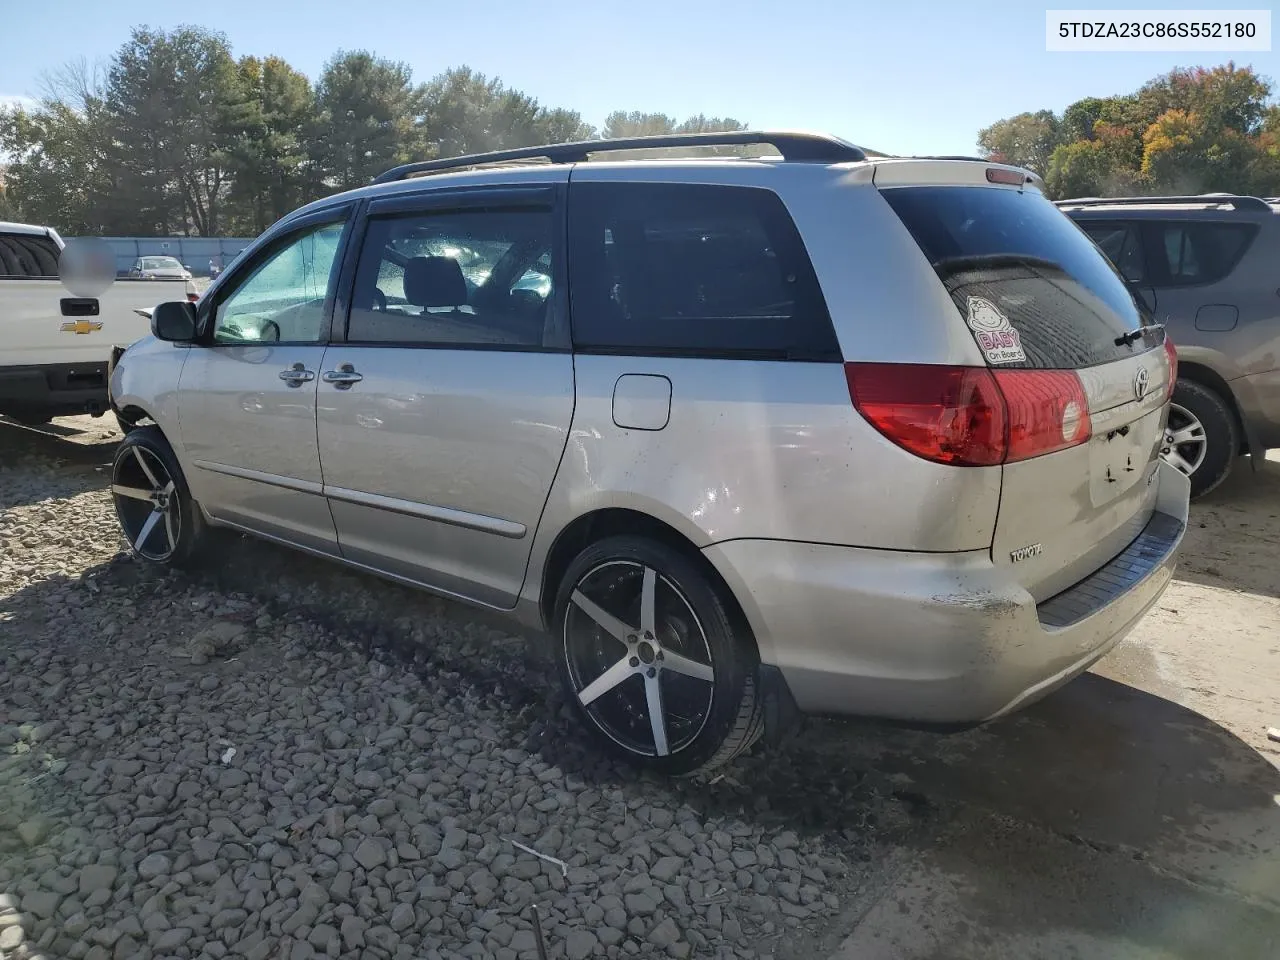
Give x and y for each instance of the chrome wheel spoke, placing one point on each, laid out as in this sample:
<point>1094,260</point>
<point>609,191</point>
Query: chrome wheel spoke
<point>1191,433</point>
<point>170,529</point>
<point>607,621</point>
<point>142,462</point>
<point>606,682</point>
<point>678,663</point>
<point>661,636</point>
<point>147,528</point>
<point>136,493</point>
<point>648,603</point>
<point>1178,461</point>
<point>657,720</point>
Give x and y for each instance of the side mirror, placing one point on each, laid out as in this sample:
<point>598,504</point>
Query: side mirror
<point>174,321</point>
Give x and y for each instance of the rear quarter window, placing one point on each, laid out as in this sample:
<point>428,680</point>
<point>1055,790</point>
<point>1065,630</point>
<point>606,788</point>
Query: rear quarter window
<point>1015,251</point>
<point>1200,253</point>
<point>28,255</point>
<point>692,270</point>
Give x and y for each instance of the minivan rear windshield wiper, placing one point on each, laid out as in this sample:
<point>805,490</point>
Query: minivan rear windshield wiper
<point>1135,335</point>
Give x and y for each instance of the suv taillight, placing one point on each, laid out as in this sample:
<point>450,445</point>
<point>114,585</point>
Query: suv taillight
<point>971,416</point>
<point>1171,352</point>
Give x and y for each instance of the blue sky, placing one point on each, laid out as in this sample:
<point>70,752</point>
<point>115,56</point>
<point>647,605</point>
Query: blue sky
<point>900,76</point>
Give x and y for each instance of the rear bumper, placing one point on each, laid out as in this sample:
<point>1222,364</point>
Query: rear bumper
<point>59,389</point>
<point>938,638</point>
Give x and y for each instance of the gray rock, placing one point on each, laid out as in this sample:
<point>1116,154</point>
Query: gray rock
<point>41,903</point>
<point>370,854</point>
<point>664,934</point>
<point>352,932</point>
<point>170,939</point>
<point>580,944</point>
<point>666,868</point>
<point>402,918</point>
<point>680,844</point>
<point>640,904</point>
<point>96,876</point>
<point>32,832</point>
<point>321,936</point>
<point>153,866</point>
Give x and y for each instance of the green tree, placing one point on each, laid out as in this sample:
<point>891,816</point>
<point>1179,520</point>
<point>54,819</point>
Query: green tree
<point>267,155</point>
<point>172,103</point>
<point>621,124</point>
<point>58,172</point>
<point>367,119</point>
<point>467,112</point>
<point>1027,140</point>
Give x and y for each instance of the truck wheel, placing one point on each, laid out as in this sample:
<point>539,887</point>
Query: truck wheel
<point>162,523</point>
<point>1202,439</point>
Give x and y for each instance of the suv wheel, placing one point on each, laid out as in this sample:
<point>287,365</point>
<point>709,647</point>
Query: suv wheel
<point>652,658</point>
<point>153,503</point>
<point>1201,439</point>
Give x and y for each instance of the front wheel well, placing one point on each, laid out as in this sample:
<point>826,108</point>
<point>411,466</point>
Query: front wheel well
<point>1210,379</point>
<point>615,521</point>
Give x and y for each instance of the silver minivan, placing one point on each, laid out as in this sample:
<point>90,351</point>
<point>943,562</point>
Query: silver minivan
<point>812,431</point>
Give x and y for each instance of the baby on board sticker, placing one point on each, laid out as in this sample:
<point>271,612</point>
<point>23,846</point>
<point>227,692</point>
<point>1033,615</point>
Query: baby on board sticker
<point>995,335</point>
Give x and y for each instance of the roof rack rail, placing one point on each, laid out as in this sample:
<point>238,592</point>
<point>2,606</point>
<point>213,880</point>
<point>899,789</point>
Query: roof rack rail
<point>794,147</point>
<point>1238,201</point>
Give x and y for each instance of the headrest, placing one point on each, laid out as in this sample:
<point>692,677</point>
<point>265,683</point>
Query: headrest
<point>434,282</point>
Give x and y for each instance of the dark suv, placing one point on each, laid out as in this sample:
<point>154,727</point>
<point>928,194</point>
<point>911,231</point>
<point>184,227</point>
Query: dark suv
<point>1208,267</point>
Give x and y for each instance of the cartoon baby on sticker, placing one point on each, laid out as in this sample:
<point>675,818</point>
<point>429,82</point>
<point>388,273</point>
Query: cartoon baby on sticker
<point>993,331</point>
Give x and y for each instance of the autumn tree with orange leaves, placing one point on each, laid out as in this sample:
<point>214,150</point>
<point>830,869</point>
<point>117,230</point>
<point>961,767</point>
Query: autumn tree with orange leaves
<point>1196,130</point>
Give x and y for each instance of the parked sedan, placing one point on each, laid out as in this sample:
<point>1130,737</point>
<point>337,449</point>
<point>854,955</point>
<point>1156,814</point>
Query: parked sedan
<point>159,268</point>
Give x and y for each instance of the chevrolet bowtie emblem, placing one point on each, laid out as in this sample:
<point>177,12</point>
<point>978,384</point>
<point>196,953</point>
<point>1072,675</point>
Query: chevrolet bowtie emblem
<point>81,326</point>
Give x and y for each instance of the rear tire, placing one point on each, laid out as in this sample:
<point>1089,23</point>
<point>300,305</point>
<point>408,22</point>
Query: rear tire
<point>1202,439</point>
<point>159,519</point>
<point>638,624</point>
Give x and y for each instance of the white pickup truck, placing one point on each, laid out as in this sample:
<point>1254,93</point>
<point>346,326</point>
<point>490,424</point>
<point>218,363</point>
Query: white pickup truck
<point>55,347</point>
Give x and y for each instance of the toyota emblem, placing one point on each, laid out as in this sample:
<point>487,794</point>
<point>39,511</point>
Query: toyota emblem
<point>1141,380</point>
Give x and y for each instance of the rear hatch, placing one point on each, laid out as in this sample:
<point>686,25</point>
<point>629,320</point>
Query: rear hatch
<point>1084,375</point>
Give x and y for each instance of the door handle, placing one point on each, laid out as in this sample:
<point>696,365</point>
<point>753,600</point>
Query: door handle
<point>343,377</point>
<point>297,375</point>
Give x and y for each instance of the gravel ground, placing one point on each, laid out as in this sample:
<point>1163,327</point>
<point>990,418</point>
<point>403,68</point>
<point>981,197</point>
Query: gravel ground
<point>271,757</point>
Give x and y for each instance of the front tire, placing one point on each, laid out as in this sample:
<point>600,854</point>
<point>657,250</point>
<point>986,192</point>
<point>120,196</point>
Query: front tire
<point>1202,439</point>
<point>157,515</point>
<point>654,660</point>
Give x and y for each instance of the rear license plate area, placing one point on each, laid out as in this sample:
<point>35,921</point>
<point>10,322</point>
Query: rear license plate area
<point>1119,458</point>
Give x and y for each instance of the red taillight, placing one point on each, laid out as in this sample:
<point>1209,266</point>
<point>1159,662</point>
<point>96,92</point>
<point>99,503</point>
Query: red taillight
<point>1171,352</point>
<point>193,297</point>
<point>1046,409</point>
<point>971,416</point>
<point>946,414</point>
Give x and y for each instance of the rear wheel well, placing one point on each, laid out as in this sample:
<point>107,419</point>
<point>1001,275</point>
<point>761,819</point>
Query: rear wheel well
<point>1208,378</point>
<point>592,527</point>
<point>132,414</point>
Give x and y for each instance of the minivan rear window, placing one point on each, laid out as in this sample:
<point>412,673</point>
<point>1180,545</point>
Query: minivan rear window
<point>1033,289</point>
